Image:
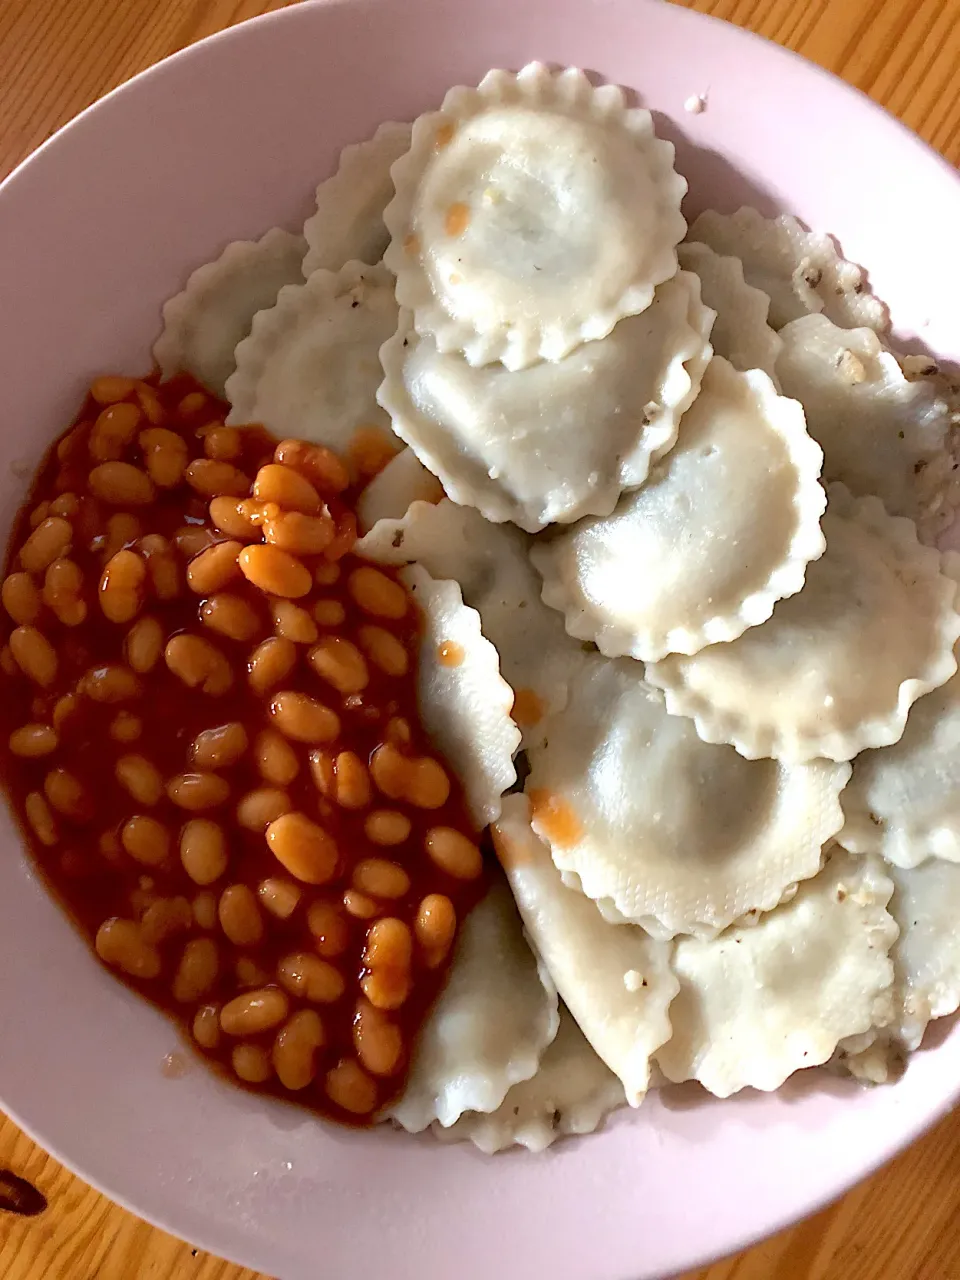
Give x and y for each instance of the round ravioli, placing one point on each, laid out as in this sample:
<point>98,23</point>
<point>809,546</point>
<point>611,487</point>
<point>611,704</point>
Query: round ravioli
<point>926,963</point>
<point>838,666</point>
<point>663,829</point>
<point>571,1093</point>
<point>203,324</point>
<point>760,1002</point>
<point>741,333</point>
<point>532,213</point>
<point>558,440</point>
<point>464,702</point>
<point>724,527</point>
<point>880,432</point>
<point>614,979</point>
<point>802,272</point>
<point>903,801</point>
<point>489,1028</point>
<point>492,565</point>
<point>311,367</point>
<point>394,490</point>
<point>926,957</point>
<point>348,222</point>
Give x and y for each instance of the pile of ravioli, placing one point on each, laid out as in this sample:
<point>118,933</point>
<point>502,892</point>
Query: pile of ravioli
<point>679,501</point>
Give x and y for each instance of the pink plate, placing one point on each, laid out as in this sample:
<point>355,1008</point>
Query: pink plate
<point>223,141</point>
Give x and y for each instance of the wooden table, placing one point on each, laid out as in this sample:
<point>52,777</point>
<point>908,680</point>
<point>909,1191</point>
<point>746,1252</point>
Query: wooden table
<point>56,57</point>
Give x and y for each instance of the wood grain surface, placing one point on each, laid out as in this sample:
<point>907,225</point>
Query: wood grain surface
<point>58,56</point>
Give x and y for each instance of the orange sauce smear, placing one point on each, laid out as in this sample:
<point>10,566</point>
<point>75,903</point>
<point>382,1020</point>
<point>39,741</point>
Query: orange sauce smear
<point>457,219</point>
<point>528,708</point>
<point>556,817</point>
<point>450,653</point>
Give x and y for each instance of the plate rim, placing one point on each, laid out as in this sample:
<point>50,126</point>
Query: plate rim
<point>294,15</point>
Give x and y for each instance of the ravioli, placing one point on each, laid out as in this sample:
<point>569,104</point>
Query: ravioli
<point>492,565</point>
<point>394,490</point>
<point>571,1093</point>
<point>903,801</point>
<point>801,271</point>
<point>758,1003</point>
<point>532,213</point>
<point>490,1026</point>
<point>724,528</point>
<point>880,432</point>
<point>741,332</point>
<point>838,666</point>
<point>665,830</point>
<point>926,906</point>
<point>348,222</point>
<point>926,961</point>
<point>310,367</point>
<point>614,979</point>
<point>203,324</point>
<point>558,440</point>
<point>465,705</point>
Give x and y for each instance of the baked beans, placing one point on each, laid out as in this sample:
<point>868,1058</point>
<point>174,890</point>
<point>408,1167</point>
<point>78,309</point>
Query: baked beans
<point>240,916</point>
<point>293,622</point>
<point>254,1011</point>
<point>340,663</point>
<point>203,850</point>
<point>262,806</point>
<point>349,1087</point>
<point>231,616</point>
<point>164,918</point>
<point>378,1040</point>
<point>197,971</point>
<point>270,663</point>
<point>144,644</point>
<point>32,740</point>
<point>252,1064</point>
<point>303,847</point>
<point>220,747</point>
<point>435,927</point>
<point>214,568</point>
<point>280,897</point>
<point>21,598</point>
<point>206,1026</point>
<point>63,592</point>
<point>287,488</point>
<point>213,740</point>
<point>294,1050</point>
<point>277,761</point>
<point>304,974</point>
<point>141,778</point>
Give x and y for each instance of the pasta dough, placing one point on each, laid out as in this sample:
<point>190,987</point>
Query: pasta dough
<point>741,333</point>
<point>758,1003</point>
<point>801,271</point>
<point>650,580</point>
<point>310,367</point>
<point>532,213</point>
<point>348,222</point>
<point>492,565</point>
<point>465,708</point>
<point>554,441</point>
<point>614,979</point>
<point>880,433</point>
<point>203,325</point>
<point>838,666</point>
<point>668,831</point>
<point>571,1093</point>
<point>490,1026</point>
